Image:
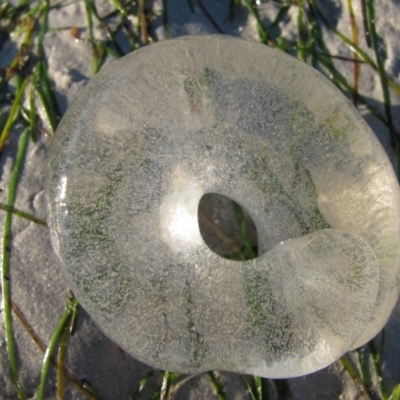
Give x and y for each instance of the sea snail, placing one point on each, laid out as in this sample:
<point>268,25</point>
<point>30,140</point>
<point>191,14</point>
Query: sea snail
<point>156,130</point>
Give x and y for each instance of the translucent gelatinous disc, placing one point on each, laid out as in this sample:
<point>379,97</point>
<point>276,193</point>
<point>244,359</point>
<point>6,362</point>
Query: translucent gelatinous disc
<point>156,130</point>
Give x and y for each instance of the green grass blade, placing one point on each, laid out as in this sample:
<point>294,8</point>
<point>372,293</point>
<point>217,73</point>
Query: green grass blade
<point>47,96</point>
<point>262,33</point>
<point>89,20</point>
<point>97,51</point>
<point>253,393</point>
<point>52,346</point>
<point>12,117</point>
<point>356,49</point>
<point>22,214</point>
<point>365,374</point>
<point>279,17</point>
<point>324,58</point>
<point>120,7</point>
<point>301,45</point>
<point>258,384</point>
<point>125,24</point>
<point>356,379</point>
<point>166,385</point>
<point>142,384</point>
<point>33,120</point>
<point>354,34</point>
<point>258,390</point>
<point>177,381</point>
<point>219,389</point>
<point>143,23</point>
<point>7,242</point>
<point>62,351</point>
<point>62,348</point>
<point>396,393</point>
<point>370,16</point>
<point>365,23</point>
<point>118,52</point>
<point>92,391</point>
<point>376,360</point>
<point>165,18</point>
<point>340,81</point>
<point>162,386</point>
<point>74,317</point>
<point>44,8</point>
<point>39,342</point>
<point>99,55</point>
<point>248,250</point>
<point>353,47</point>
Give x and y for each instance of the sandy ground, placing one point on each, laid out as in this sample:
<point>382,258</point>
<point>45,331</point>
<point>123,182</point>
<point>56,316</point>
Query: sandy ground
<point>39,288</point>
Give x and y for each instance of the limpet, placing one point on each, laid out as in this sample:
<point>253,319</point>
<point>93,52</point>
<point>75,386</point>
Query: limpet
<point>159,128</point>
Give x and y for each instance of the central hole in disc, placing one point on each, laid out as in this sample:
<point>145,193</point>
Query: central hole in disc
<point>227,228</point>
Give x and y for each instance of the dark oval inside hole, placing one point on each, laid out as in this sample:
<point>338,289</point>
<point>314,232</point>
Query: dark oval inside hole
<point>227,228</point>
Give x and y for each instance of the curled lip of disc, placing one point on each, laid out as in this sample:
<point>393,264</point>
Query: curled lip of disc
<point>292,311</point>
<point>312,298</point>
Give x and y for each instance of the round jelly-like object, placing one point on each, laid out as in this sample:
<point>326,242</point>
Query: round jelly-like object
<point>155,131</point>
